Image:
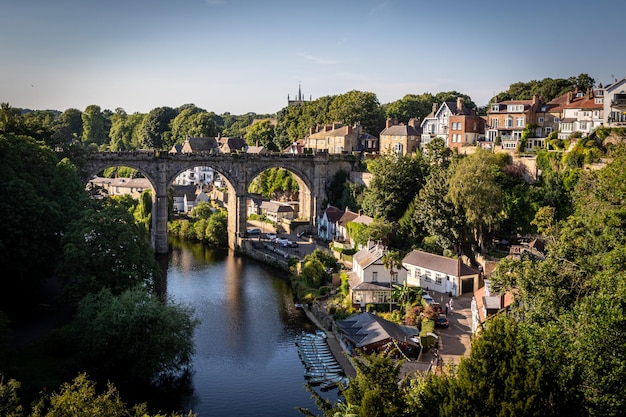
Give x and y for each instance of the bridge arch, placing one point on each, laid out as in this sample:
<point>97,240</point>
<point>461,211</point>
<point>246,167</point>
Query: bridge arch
<point>312,172</point>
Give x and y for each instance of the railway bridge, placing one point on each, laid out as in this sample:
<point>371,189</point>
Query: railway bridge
<point>313,172</point>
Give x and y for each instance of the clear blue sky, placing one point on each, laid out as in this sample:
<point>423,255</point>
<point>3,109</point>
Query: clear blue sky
<point>239,56</point>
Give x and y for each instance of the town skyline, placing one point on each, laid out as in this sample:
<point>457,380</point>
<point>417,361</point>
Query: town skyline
<point>230,56</point>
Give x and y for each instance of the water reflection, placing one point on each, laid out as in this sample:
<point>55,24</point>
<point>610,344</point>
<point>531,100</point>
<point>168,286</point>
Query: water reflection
<point>246,362</point>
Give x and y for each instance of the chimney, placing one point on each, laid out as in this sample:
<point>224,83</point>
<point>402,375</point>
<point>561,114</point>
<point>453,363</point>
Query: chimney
<point>434,107</point>
<point>459,105</point>
<point>589,94</point>
<point>569,97</point>
<point>388,123</point>
<point>349,132</point>
<point>413,122</point>
<point>311,130</point>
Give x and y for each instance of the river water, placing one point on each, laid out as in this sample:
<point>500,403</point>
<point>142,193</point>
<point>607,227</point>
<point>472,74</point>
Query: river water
<point>246,362</point>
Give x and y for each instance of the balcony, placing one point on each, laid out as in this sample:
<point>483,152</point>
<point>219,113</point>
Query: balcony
<point>619,101</point>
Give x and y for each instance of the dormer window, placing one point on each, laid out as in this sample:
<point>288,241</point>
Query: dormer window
<point>515,108</point>
<point>495,107</point>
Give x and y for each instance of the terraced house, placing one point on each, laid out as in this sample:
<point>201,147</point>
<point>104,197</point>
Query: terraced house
<point>506,120</point>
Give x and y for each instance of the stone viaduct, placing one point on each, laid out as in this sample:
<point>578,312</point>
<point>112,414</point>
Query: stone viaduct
<point>312,172</point>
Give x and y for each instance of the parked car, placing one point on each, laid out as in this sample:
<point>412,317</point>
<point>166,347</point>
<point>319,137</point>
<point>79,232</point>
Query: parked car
<point>292,244</point>
<point>254,231</point>
<point>441,321</point>
<point>271,236</point>
<point>282,242</point>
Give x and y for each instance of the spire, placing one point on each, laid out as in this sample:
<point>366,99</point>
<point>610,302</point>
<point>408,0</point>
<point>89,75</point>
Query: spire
<point>299,91</point>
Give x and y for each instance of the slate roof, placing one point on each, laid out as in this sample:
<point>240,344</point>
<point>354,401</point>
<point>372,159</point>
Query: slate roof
<point>200,144</point>
<point>400,130</point>
<point>276,207</point>
<point>229,145</point>
<point>368,256</point>
<point>438,263</point>
<point>333,213</point>
<point>365,329</point>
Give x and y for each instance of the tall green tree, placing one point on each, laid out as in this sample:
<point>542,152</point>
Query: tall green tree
<point>475,192</point>
<point>155,127</point>
<point>131,338</point>
<point>106,249</point>
<point>38,198</point>
<point>94,125</point>
<point>410,106</point>
<point>358,106</point>
<point>395,182</point>
<point>262,133</point>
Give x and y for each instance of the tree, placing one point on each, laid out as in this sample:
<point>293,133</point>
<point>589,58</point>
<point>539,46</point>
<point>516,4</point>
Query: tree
<point>105,249</point>
<point>69,126</point>
<point>375,391</point>
<point>395,182</point>
<point>216,233</point>
<point>391,260</point>
<point>10,119</point>
<point>93,125</point>
<point>410,106</point>
<point>154,127</point>
<point>262,133</point>
<point>124,132</point>
<point>436,213</point>
<point>38,197</point>
<point>475,192</point>
<point>131,338</point>
<point>192,122</point>
<point>357,106</point>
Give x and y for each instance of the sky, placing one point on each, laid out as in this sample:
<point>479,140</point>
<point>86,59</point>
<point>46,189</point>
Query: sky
<point>241,56</point>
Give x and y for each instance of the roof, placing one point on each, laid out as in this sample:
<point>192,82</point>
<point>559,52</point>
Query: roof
<point>138,183</point>
<point>200,144</point>
<point>228,145</point>
<point>400,130</point>
<point>184,190</point>
<point>438,263</point>
<point>333,214</point>
<point>367,256</point>
<point>357,285</point>
<point>366,329</point>
<point>276,207</point>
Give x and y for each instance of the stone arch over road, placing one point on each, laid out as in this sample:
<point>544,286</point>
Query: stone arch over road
<point>313,174</point>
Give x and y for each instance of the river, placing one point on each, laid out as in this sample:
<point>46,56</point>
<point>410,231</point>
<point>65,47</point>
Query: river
<point>246,362</point>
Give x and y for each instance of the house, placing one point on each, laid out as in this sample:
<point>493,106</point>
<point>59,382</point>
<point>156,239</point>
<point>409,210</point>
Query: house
<point>296,148</point>
<point>439,273</point>
<point>535,248</point>
<point>400,138</point>
<point>276,211</point>
<point>465,130</point>
<point>506,120</point>
<point>230,145</point>
<point>485,303</point>
<point>122,186</point>
<point>437,123</point>
<point>613,97</point>
<point>548,120</point>
<point>337,138</point>
<point>327,223</point>
<point>369,333</point>
<point>582,113</point>
<point>197,145</point>
<point>199,176</point>
<point>258,150</point>
<point>186,197</point>
<point>254,204</point>
<point>369,281</point>
<point>341,228</point>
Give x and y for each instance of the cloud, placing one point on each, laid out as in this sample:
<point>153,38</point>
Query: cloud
<point>317,59</point>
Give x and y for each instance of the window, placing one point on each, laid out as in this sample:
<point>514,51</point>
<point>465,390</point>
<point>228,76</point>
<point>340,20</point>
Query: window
<point>583,125</point>
<point>519,122</point>
<point>557,120</point>
<point>494,123</point>
<point>548,130</point>
<point>375,276</point>
<point>540,120</point>
<point>515,108</point>
<point>429,277</point>
<point>394,276</point>
<point>495,107</point>
<point>509,121</point>
<point>397,148</point>
<point>438,279</point>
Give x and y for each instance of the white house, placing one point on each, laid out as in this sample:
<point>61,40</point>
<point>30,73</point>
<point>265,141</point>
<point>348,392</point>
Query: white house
<point>614,101</point>
<point>439,273</point>
<point>327,223</point>
<point>348,216</point>
<point>186,197</point>
<point>122,186</point>
<point>369,281</point>
<point>200,175</point>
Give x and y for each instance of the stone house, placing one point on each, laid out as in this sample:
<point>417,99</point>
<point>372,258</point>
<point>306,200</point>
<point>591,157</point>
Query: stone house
<point>337,138</point>
<point>400,138</point>
<point>327,223</point>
